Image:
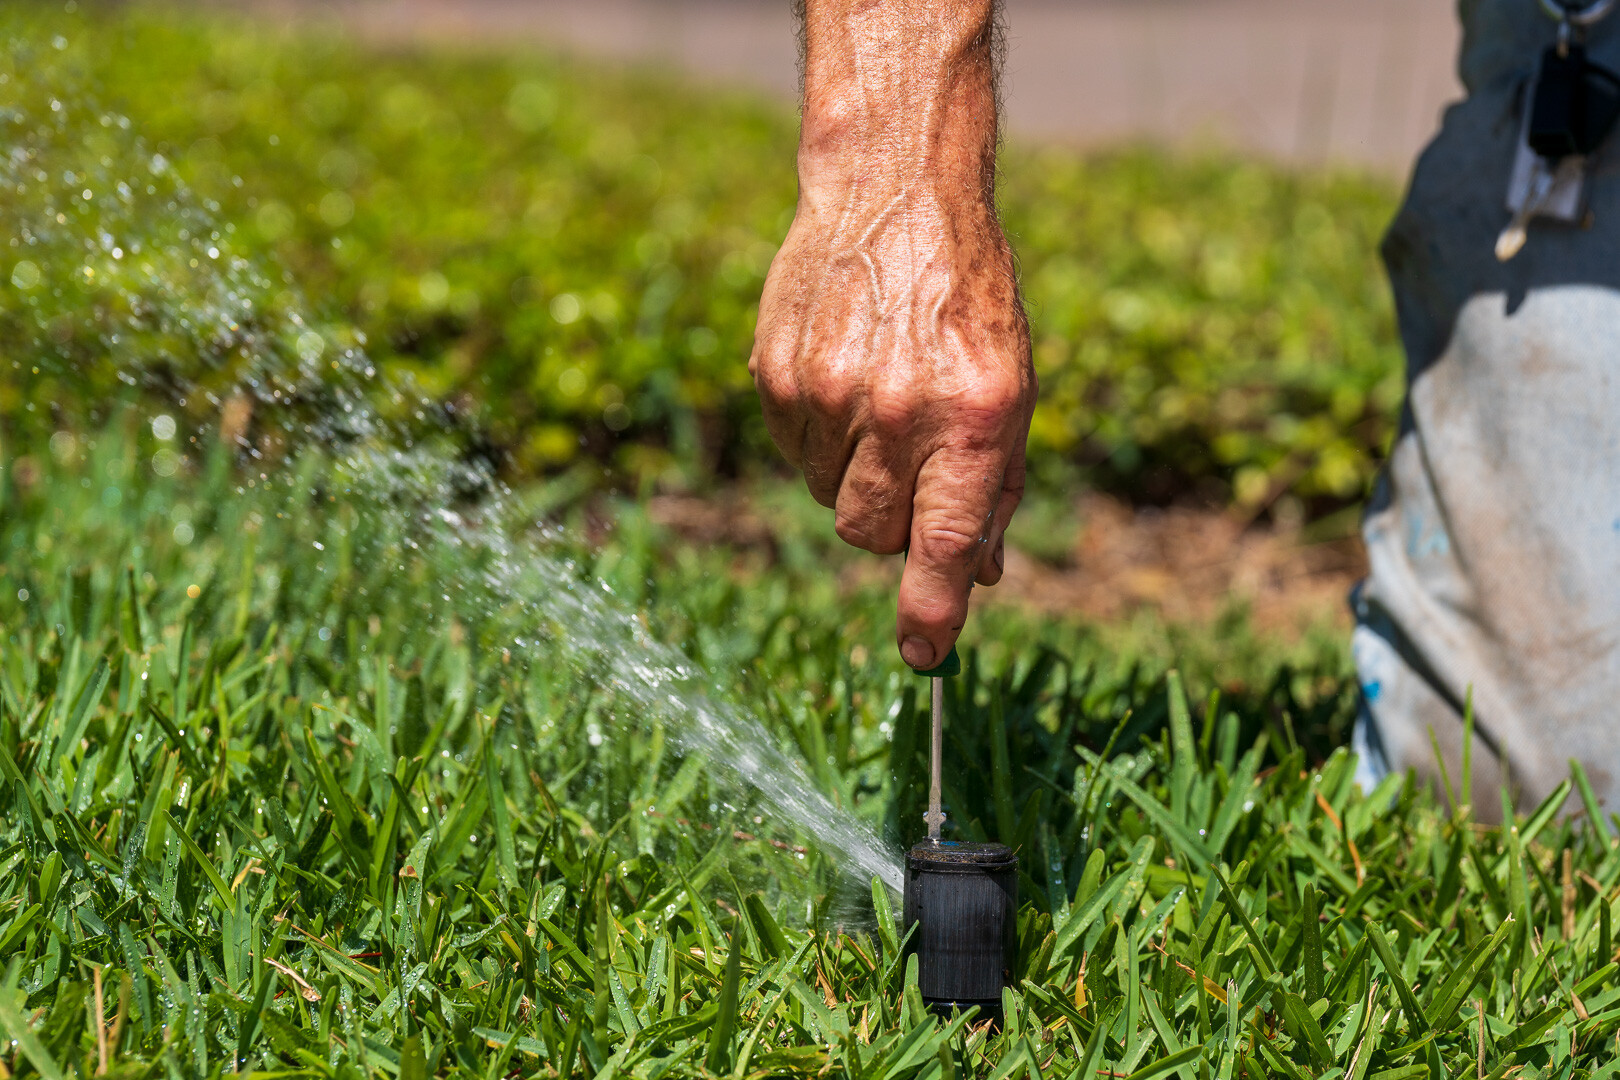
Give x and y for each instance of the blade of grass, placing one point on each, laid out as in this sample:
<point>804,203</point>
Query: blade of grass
<point>23,1037</point>
<point>1183,751</point>
<point>725,1021</point>
<point>1311,940</point>
<point>1392,968</point>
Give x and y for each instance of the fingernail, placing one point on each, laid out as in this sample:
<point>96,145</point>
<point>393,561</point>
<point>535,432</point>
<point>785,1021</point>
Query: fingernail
<point>1001,556</point>
<point>917,652</point>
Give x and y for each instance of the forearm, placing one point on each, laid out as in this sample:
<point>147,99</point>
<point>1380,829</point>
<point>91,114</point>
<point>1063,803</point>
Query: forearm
<point>891,352</point>
<point>899,94</point>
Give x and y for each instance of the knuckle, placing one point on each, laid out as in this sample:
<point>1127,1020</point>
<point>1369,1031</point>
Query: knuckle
<point>892,408</point>
<point>948,539</point>
<point>772,379</point>
<point>853,531</point>
<point>827,397</point>
<point>866,516</point>
<point>824,491</point>
<point>859,529</point>
<point>889,545</point>
<point>850,530</point>
<point>989,402</point>
<point>933,616</point>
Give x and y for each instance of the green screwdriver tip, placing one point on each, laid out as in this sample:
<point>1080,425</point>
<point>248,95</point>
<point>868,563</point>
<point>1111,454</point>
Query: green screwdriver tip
<point>949,667</point>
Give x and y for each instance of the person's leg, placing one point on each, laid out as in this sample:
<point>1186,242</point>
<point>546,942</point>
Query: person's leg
<point>1372,765</point>
<point>1494,580</point>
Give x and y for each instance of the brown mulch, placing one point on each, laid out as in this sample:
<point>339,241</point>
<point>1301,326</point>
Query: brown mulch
<point>1187,565</point>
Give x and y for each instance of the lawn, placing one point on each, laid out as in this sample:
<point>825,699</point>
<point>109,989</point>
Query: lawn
<point>350,727</point>
<point>288,791</point>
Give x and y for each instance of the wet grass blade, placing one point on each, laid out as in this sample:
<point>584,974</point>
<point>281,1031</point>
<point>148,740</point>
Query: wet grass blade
<point>773,941</point>
<point>1234,907</point>
<point>1081,918</point>
<point>1183,751</point>
<point>1168,1064</point>
<point>1183,837</point>
<point>206,865</point>
<point>89,697</point>
<point>23,1037</point>
<point>1305,1029</point>
<point>1311,944</point>
<point>505,847</point>
<point>1448,998</point>
<point>725,1021</point>
<point>1392,968</point>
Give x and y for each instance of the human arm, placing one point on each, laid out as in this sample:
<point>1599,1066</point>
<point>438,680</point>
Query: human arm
<point>892,354</point>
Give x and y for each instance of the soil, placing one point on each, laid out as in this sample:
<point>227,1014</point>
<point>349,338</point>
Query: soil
<point>1187,565</point>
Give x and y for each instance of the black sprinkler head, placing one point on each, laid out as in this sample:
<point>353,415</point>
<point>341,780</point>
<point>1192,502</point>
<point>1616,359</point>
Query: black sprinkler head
<point>963,901</point>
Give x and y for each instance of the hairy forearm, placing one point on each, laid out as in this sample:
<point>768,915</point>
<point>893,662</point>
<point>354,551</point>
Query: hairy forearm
<point>891,353</point>
<point>899,94</point>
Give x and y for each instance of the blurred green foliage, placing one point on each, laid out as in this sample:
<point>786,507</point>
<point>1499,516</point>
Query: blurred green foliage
<point>1206,322</point>
<point>574,255</point>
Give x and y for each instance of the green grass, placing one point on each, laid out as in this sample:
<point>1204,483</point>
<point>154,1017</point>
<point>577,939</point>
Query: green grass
<point>575,255</point>
<point>292,818</point>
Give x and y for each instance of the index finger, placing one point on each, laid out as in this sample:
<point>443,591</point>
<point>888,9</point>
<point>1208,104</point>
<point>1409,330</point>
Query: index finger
<point>953,505</point>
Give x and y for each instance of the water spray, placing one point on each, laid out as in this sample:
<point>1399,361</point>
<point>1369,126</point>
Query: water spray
<point>961,899</point>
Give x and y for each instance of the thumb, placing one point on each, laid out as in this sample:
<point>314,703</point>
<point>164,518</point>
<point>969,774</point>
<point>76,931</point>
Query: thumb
<point>954,499</point>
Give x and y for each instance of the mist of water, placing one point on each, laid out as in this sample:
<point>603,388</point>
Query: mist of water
<point>113,256</point>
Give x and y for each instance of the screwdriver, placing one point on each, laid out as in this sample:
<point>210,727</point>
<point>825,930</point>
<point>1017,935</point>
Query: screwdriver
<point>952,665</point>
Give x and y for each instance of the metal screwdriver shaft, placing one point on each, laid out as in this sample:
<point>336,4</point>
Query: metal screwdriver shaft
<point>936,814</point>
<point>951,666</point>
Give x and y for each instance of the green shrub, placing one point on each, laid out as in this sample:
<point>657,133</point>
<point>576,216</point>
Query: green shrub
<point>1211,323</point>
<point>573,255</point>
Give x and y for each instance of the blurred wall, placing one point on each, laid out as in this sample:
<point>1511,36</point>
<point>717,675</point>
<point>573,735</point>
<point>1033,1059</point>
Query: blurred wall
<point>1353,81</point>
<point>1357,82</point>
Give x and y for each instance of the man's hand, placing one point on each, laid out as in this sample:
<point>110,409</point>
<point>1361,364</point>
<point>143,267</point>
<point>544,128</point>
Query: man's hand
<point>892,355</point>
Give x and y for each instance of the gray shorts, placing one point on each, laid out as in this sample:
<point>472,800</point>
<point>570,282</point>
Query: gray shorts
<point>1493,537</point>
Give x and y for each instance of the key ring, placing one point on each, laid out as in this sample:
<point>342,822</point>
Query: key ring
<point>1580,18</point>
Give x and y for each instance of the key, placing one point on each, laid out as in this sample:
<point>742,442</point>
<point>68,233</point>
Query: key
<point>1513,238</point>
<point>1569,111</point>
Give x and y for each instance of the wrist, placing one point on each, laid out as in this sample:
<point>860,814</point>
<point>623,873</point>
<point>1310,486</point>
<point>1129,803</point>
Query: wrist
<point>899,93</point>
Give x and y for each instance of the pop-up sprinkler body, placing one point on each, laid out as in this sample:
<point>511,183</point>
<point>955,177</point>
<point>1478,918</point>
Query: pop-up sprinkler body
<point>961,900</point>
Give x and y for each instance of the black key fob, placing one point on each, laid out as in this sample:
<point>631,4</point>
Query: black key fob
<point>1601,107</point>
<point>1573,106</point>
<point>1557,119</point>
